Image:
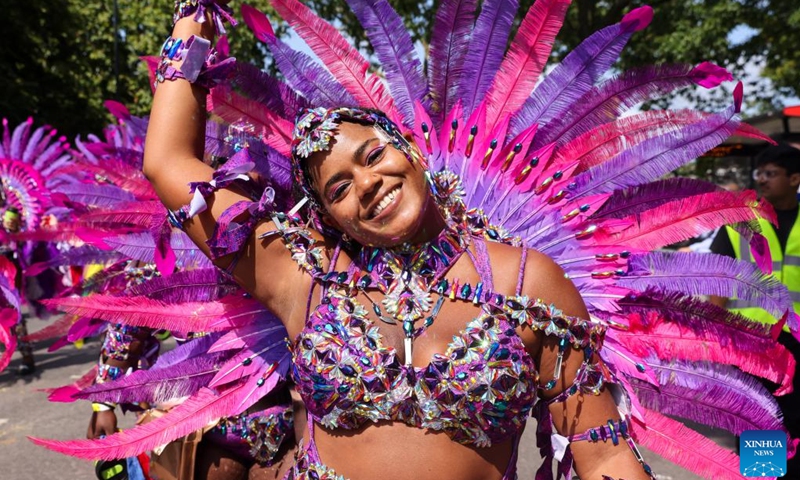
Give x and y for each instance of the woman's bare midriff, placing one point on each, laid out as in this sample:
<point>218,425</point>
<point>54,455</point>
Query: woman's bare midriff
<point>396,451</point>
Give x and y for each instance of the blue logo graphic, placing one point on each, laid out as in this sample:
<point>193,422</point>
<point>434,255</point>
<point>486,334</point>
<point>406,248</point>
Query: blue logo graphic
<point>762,453</point>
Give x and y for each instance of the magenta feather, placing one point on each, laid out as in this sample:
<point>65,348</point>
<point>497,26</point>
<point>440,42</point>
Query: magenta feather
<point>687,448</point>
<point>395,51</point>
<point>639,198</point>
<point>657,156</point>
<point>449,42</point>
<point>201,285</point>
<point>232,107</point>
<point>707,274</point>
<point>56,329</point>
<point>157,385</point>
<point>8,320</point>
<point>525,60</point>
<point>303,73</point>
<point>196,412</point>
<point>142,312</point>
<point>487,45</point>
<point>345,63</point>
<point>66,393</point>
<point>614,97</point>
<point>685,218</point>
<point>259,86</point>
<point>579,71</point>
<point>671,341</point>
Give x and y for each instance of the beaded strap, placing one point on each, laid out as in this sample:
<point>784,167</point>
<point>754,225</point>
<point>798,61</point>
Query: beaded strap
<point>234,170</point>
<point>614,430</point>
<point>201,63</point>
<point>219,13</point>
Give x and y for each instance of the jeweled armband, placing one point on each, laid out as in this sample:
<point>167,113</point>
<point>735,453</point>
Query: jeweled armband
<point>219,13</point>
<point>201,63</point>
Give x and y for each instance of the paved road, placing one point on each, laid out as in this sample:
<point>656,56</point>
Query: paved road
<point>24,411</point>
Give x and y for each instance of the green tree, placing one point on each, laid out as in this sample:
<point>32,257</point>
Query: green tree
<point>63,59</point>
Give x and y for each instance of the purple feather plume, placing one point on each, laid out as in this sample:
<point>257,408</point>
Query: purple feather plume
<point>612,98</point>
<point>639,198</point>
<point>719,396</point>
<point>202,285</point>
<point>302,72</point>
<point>485,52</point>
<point>449,42</point>
<point>578,72</point>
<point>395,50</point>
<point>657,156</point>
<point>708,275</point>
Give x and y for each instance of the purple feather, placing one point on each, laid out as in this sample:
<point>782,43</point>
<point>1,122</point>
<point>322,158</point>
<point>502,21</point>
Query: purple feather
<point>83,255</point>
<point>719,396</point>
<point>95,194</point>
<point>449,42</point>
<point>639,198</point>
<point>141,246</point>
<point>157,385</point>
<point>190,349</point>
<point>263,88</point>
<point>307,77</point>
<point>708,274</point>
<point>18,138</point>
<point>35,144</point>
<point>657,156</point>
<point>485,52</point>
<point>203,285</point>
<point>703,318</point>
<point>578,72</point>
<point>301,72</point>
<point>612,98</point>
<point>395,50</point>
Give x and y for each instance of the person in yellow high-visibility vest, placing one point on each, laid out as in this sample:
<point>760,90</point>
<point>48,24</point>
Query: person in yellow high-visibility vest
<point>777,176</point>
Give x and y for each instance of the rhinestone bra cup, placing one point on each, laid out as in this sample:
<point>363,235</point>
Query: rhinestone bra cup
<point>479,391</point>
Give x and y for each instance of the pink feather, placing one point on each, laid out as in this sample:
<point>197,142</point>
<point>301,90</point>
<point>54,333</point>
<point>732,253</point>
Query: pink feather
<point>193,414</point>
<point>144,312</point>
<point>65,394</point>
<point>526,58</point>
<point>669,341</point>
<point>7,338</point>
<point>232,107</point>
<point>344,62</point>
<point>687,448</point>
<point>56,329</point>
<point>685,218</point>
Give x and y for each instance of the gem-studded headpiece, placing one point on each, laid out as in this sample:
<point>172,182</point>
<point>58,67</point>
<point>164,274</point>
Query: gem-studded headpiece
<point>314,130</point>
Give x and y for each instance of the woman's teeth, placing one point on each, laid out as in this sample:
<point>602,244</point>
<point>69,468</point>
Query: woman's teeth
<point>385,202</point>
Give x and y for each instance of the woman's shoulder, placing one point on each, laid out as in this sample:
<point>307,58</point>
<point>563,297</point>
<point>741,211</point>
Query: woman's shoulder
<point>540,276</point>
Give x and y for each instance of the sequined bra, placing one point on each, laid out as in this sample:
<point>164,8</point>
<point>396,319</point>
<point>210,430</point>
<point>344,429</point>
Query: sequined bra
<point>479,391</point>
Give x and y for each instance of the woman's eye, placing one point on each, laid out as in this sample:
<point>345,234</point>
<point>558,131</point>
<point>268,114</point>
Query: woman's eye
<point>338,191</point>
<point>375,154</point>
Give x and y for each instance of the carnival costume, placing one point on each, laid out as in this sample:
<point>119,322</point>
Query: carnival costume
<point>556,170</point>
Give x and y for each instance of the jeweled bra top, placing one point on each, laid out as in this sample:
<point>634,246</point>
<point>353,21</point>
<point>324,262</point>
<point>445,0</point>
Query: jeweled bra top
<point>479,391</point>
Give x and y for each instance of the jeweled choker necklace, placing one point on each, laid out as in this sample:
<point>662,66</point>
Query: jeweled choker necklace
<point>406,276</point>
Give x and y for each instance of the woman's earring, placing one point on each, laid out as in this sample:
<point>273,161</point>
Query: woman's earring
<point>346,238</point>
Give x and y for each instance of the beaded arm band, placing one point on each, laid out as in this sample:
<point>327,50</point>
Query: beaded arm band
<point>201,63</point>
<point>229,235</point>
<point>219,13</point>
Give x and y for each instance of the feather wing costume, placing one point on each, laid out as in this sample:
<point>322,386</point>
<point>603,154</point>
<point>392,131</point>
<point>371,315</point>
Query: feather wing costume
<point>561,164</point>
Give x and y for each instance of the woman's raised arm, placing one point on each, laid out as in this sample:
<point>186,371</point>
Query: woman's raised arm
<point>174,148</point>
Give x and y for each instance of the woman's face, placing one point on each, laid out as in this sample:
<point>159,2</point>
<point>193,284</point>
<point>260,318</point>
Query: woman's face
<point>369,189</point>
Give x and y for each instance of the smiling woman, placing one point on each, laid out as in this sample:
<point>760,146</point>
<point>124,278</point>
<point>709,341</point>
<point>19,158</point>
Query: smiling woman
<point>462,253</point>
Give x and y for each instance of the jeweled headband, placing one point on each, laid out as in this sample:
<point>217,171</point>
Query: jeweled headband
<point>314,130</point>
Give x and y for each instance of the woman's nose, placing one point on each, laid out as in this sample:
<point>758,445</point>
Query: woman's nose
<point>367,183</point>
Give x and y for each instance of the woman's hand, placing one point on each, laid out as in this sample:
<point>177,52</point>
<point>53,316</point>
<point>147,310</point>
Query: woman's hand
<point>102,424</point>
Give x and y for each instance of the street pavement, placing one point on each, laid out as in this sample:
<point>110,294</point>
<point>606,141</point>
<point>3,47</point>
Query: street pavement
<point>25,411</point>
